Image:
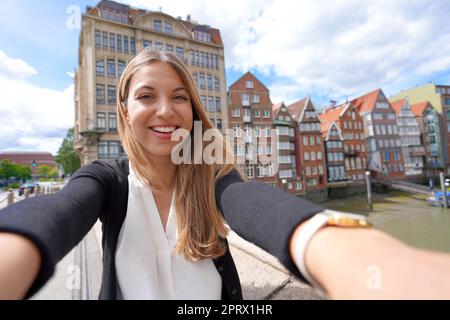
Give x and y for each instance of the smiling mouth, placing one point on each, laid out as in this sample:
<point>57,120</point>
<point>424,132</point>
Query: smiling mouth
<point>163,129</point>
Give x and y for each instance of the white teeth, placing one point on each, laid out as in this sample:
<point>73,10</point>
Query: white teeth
<point>164,129</point>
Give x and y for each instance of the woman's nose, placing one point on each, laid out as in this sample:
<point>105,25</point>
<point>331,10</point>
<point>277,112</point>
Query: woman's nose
<point>165,108</point>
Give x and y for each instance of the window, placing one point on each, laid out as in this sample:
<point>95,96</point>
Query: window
<point>207,59</point>
<point>112,95</point>
<point>319,140</point>
<point>168,27</point>
<point>202,59</point>
<point>250,172</point>
<point>447,101</point>
<point>121,67</point>
<point>100,92</point>
<point>112,40</point>
<point>133,45</point>
<point>319,155</point>
<point>101,124</point>
<point>100,68</point>
<point>97,38</point>
<point>125,44</point>
<point>105,40</point>
<point>197,59</point>
<point>218,108</point>
<point>236,112</point>
<point>219,124</point>
<point>210,82</point>
<point>245,99</point>
<point>256,113</point>
<point>311,140</point>
<point>201,80</point>
<point>387,156</point>
<point>266,113</point>
<point>313,156</point>
<point>103,149</point>
<point>147,44</point>
<point>306,155</point>
<point>396,155</point>
<point>180,53</point>
<point>210,104</point>
<point>216,84</point>
<point>203,99</point>
<point>114,149</point>
<point>255,98</point>
<point>249,84</point>
<point>216,61</point>
<point>305,141</point>
<point>157,25</point>
<point>119,43</point>
<point>298,185</point>
<point>111,68</point>
<point>112,122</point>
<point>169,47</point>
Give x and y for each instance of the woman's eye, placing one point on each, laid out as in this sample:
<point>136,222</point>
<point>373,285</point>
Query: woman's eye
<point>181,99</point>
<point>144,96</point>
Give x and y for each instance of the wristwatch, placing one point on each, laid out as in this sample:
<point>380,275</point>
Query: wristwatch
<point>313,225</point>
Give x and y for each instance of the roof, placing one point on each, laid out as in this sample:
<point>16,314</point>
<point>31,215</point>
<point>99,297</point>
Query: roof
<point>330,116</point>
<point>366,102</point>
<point>248,73</point>
<point>419,108</point>
<point>276,108</point>
<point>397,105</point>
<point>296,108</point>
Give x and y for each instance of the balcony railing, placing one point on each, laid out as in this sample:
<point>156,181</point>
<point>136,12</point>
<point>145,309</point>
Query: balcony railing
<point>417,151</point>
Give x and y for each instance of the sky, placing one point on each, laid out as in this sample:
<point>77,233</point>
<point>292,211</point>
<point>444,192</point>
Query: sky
<point>329,50</point>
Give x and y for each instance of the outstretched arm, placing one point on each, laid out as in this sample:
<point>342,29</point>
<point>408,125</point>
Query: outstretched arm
<point>370,264</point>
<point>20,262</point>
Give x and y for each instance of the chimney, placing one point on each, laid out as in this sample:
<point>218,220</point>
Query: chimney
<point>333,103</point>
<point>188,18</point>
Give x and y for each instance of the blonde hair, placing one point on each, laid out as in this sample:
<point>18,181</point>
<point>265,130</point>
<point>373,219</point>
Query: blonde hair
<point>201,226</point>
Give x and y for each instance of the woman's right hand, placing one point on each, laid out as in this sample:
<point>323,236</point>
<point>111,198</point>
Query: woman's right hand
<point>20,262</point>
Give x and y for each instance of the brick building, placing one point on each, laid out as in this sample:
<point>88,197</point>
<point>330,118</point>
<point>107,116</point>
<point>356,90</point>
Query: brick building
<point>250,115</point>
<point>385,158</point>
<point>309,145</point>
<point>287,172</point>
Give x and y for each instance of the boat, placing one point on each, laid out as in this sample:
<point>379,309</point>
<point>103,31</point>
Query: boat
<point>436,199</point>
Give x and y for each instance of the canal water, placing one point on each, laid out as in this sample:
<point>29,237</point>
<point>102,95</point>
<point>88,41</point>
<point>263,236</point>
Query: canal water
<point>406,216</point>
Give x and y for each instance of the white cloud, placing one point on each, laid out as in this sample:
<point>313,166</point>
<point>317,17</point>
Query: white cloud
<point>331,47</point>
<point>32,118</point>
<point>15,68</point>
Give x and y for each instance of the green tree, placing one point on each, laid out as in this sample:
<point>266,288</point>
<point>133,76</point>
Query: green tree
<point>10,170</point>
<point>44,171</point>
<point>67,156</point>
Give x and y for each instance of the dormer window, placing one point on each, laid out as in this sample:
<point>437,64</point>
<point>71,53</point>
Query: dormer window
<point>249,84</point>
<point>202,36</point>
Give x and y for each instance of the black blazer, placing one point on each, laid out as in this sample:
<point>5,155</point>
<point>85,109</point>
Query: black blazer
<point>56,223</point>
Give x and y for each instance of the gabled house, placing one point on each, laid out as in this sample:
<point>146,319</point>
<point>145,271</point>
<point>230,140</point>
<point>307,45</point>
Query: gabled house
<point>311,165</point>
<point>385,158</point>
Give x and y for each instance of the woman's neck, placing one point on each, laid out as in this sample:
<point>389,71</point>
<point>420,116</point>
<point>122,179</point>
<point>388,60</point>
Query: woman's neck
<point>166,170</point>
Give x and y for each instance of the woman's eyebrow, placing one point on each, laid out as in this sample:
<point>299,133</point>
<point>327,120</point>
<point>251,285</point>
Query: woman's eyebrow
<point>179,89</point>
<point>144,87</point>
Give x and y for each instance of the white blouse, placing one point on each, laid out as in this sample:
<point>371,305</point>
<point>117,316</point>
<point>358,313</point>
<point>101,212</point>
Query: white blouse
<point>146,265</point>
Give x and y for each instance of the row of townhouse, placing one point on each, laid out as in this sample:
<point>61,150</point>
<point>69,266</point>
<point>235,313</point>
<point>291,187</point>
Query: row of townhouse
<point>315,151</point>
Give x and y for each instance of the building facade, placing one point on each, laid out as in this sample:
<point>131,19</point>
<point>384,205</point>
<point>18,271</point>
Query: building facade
<point>410,138</point>
<point>287,170</point>
<point>334,150</point>
<point>430,128</point>
<point>309,145</point>
<point>111,35</point>
<point>250,116</point>
<point>350,124</point>
<point>385,158</point>
<point>439,97</point>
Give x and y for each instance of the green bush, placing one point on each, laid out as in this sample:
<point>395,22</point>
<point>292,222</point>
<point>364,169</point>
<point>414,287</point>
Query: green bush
<point>13,186</point>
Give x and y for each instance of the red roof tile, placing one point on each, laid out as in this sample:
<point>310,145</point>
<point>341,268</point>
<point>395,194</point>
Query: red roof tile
<point>330,116</point>
<point>419,108</point>
<point>397,105</point>
<point>366,102</point>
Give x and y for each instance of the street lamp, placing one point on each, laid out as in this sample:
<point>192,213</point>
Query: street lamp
<point>369,190</point>
<point>284,182</point>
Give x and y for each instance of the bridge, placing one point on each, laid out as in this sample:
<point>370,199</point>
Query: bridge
<point>404,186</point>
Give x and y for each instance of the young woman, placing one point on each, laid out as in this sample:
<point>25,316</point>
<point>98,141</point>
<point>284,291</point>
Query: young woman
<point>164,231</point>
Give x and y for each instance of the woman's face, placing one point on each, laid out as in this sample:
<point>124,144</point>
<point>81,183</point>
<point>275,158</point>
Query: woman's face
<point>158,104</point>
